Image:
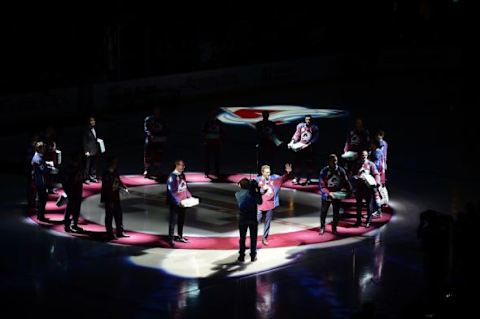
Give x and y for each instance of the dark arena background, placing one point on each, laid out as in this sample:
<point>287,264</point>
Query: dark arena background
<point>210,72</point>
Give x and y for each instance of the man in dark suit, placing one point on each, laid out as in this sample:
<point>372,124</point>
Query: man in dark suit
<point>110,196</point>
<point>248,198</point>
<point>91,150</point>
<point>40,171</point>
<point>73,187</point>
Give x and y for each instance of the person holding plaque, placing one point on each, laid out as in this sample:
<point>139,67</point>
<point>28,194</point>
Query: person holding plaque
<point>380,138</point>
<point>357,140</point>
<point>41,171</point>
<point>366,179</point>
<point>305,135</point>
<point>51,155</point>
<point>178,196</point>
<point>333,184</point>
<point>91,150</point>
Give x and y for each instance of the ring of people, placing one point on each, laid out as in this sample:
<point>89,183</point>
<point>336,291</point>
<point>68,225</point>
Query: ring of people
<point>194,211</point>
<point>212,226</point>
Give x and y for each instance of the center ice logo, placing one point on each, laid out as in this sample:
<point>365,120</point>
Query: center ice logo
<point>280,114</point>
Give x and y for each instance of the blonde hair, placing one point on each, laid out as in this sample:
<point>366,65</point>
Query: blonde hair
<point>264,167</point>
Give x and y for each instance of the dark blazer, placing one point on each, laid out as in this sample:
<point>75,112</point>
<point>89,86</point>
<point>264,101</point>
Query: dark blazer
<point>111,184</point>
<point>90,142</point>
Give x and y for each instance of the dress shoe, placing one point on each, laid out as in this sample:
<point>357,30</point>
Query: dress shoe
<point>76,228</point>
<point>265,242</point>
<point>241,258</point>
<point>322,230</point>
<point>377,214</point>
<point>111,236</point>
<point>334,231</point>
<point>182,240</point>
<point>171,243</point>
<point>253,258</point>
<point>122,234</point>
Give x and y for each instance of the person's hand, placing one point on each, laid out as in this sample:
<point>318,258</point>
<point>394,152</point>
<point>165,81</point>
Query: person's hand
<point>288,168</point>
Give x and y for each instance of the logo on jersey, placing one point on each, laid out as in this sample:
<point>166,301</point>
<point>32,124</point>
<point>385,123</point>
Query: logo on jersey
<point>306,137</point>
<point>280,114</point>
<point>182,186</point>
<point>355,139</point>
<point>333,182</point>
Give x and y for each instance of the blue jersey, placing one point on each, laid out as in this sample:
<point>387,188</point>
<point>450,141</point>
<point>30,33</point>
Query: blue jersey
<point>333,180</point>
<point>177,189</point>
<point>357,141</point>
<point>305,134</point>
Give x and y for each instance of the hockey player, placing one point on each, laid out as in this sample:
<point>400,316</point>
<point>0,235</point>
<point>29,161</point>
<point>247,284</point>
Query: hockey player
<point>305,135</point>
<point>333,178</point>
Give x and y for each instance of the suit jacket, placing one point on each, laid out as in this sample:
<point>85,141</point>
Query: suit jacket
<point>111,184</point>
<point>40,170</point>
<point>90,143</point>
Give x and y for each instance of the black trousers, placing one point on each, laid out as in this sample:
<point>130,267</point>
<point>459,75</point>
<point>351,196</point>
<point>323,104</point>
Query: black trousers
<point>243,226</point>
<point>177,217</point>
<point>91,166</point>
<point>152,157</point>
<point>31,191</point>
<point>212,151</point>
<point>113,211</point>
<point>336,203</point>
<point>72,210</point>
<point>42,201</point>
<point>304,163</point>
<point>363,192</point>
